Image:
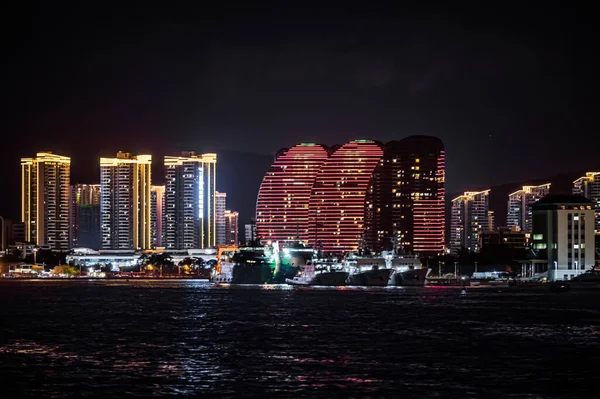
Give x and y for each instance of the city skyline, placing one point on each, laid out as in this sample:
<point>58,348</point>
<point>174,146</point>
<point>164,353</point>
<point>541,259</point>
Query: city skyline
<point>538,191</point>
<point>181,83</point>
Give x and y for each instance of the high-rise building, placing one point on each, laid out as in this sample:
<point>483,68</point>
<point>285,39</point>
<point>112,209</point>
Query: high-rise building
<point>250,232</point>
<point>221,206</point>
<point>190,201</point>
<point>336,210</point>
<point>588,186</point>
<point>231,228</point>
<point>406,197</point>
<point>563,235</point>
<point>125,207</point>
<point>284,195</point>
<point>157,204</point>
<point>491,221</point>
<point>85,216</point>
<point>468,220</point>
<point>520,203</point>
<point>45,196</point>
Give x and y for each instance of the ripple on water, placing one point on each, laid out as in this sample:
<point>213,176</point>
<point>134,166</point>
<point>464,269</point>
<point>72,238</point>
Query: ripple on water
<point>157,338</point>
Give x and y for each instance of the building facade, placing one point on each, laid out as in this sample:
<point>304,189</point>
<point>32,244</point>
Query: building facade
<point>510,237</point>
<point>157,205</point>
<point>563,234</point>
<point>284,194</point>
<point>336,210</point>
<point>250,232</point>
<point>520,205</point>
<point>45,199</point>
<point>405,204</point>
<point>469,219</point>
<point>190,201</point>
<point>232,236</point>
<point>588,186</point>
<point>125,209</point>
<point>221,207</point>
<point>85,216</point>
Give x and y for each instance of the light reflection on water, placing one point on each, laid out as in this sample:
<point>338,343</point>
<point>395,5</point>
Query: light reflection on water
<point>152,338</point>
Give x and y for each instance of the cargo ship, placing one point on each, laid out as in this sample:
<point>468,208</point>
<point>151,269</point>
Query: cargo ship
<point>256,264</point>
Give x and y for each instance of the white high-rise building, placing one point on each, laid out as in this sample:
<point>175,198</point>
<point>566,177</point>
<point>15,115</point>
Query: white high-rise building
<point>190,201</point>
<point>45,199</point>
<point>220,215</point>
<point>469,219</point>
<point>564,236</point>
<point>125,207</point>
<point>588,186</point>
<point>520,205</point>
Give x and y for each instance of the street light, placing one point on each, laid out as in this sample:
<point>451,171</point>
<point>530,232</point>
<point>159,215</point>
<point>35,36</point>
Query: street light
<point>35,256</point>
<point>555,270</point>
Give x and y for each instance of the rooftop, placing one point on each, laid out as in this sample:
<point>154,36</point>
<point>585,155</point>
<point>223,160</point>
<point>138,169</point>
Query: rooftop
<point>564,199</point>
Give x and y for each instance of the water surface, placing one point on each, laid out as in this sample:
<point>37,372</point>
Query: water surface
<point>153,338</point>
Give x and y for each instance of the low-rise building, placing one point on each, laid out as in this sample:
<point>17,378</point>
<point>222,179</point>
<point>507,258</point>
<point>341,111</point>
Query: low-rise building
<point>563,235</point>
<point>511,237</point>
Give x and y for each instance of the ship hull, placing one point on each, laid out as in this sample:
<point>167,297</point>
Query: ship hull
<point>323,279</point>
<point>370,278</point>
<point>255,274</point>
<point>414,277</point>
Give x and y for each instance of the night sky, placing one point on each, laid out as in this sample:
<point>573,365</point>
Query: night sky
<point>512,91</point>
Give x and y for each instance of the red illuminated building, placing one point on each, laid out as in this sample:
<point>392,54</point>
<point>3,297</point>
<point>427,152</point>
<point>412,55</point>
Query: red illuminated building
<point>283,198</point>
<point>405,200</point>
<point>337,201</point>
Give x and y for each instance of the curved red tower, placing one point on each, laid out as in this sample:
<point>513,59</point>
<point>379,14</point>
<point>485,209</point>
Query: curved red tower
<point>337,201</point>
<point>283,197</point>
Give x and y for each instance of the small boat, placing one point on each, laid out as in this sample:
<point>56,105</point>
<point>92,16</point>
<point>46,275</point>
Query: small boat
<point>588,280</point>
<point>309,276</point>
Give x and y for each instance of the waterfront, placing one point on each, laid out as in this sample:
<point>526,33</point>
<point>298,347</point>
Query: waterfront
<point>149,338</point>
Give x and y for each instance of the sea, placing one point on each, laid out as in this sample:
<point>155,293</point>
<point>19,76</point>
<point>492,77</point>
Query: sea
<point>145,338</point>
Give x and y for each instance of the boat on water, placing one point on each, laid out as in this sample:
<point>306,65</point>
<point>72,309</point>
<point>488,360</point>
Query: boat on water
<point>260,264</point>
<point>408,271</point>
<point>590,280</point>
<point>370,271</point>
<point>320,273</point>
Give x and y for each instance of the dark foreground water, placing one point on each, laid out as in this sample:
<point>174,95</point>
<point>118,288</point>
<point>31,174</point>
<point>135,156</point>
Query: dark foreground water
<point>117,338</point>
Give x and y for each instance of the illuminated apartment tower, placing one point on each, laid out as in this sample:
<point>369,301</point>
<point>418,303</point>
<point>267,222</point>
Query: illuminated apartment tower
<point>285,192</point>
<point>468,220</point>
<point>221,201</point>
<point>337,202</point>
<point>520,205</point>
<point>406,197</point>
<point>85,216</point>
<point>588,186</point>
<point>157,204</point>
<point>45,197</point>
<point>231,228</point>
<point>125,208</point>
<point>190,201</point>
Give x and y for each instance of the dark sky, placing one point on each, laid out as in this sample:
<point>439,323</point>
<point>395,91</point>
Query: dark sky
<point>511,90</point>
